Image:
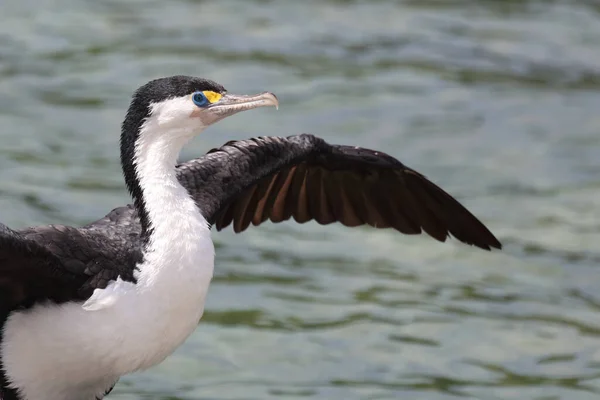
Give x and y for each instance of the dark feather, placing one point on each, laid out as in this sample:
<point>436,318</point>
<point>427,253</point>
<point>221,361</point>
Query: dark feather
<point>242,183</point>
<point>304,177</point>
<point>59,263</point>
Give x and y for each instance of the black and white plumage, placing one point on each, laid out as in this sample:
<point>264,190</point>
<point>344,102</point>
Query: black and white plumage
<point>305,178</point>
<point>81,307</point>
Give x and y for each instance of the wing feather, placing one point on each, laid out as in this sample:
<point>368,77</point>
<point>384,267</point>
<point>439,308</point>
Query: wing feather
<point>304,178</point>
<point>308,179</point>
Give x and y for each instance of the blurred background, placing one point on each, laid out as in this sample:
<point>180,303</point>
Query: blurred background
<point>496,101</point>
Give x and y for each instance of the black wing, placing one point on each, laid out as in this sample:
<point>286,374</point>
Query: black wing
<point>58,263</point>
<point>306,178</point>
<point>25,266</point>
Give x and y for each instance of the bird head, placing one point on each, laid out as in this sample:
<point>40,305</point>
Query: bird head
<point>166,113</point>
<point>184,106</point>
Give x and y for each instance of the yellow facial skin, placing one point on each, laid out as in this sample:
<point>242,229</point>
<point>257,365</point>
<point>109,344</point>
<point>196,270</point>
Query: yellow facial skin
<point>212,97</point>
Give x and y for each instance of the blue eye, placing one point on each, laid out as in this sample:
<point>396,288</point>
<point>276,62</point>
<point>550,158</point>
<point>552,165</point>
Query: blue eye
<point>199,99</point>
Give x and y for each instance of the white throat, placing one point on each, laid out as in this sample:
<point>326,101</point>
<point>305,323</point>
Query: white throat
<point>166,200</point>
<point>74,351</point>
<point>179,230</point>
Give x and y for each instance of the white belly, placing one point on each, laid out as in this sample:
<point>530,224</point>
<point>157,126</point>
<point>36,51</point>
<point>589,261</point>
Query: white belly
<point>75,351</point>
<point>65,352</point>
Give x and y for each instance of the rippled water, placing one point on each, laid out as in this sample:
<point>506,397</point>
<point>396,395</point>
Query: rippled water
<point>497,101</point>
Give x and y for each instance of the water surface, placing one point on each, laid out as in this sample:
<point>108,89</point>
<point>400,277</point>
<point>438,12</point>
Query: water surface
<point>496,101</point>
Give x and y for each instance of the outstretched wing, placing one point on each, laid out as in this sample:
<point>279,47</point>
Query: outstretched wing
<point>303,177</point>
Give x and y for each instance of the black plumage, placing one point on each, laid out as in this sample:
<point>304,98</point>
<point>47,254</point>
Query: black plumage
<point>241,183</point>
<point>306,178</point>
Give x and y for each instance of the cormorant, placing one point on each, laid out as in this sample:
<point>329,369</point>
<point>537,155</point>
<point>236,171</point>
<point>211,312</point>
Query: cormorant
<point>80,307</point>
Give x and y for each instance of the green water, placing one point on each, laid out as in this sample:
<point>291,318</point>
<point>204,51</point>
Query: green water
<point>496,101</point>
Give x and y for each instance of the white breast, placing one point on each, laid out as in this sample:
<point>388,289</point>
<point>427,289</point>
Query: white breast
<point>76,351</point>
<point>67,352</point>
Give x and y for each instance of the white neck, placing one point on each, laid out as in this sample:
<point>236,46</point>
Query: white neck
<point>165,200</point>
<point>178,229</point>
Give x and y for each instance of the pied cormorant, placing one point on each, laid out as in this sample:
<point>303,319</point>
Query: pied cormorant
<point>82,306</point>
